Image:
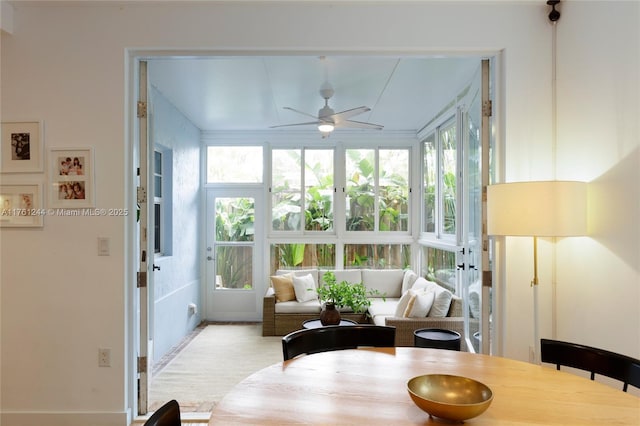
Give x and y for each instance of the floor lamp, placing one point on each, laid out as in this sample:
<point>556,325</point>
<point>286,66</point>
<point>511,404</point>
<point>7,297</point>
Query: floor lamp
<point>537,209</point>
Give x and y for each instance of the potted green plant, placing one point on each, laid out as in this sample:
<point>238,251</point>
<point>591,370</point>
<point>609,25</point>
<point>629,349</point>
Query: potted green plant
<point>336,295</point>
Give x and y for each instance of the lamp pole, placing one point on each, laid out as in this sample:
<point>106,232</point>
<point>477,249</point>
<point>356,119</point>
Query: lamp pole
<point>534,284</point>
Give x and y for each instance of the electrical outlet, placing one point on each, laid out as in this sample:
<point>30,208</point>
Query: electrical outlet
<point>104,357</point>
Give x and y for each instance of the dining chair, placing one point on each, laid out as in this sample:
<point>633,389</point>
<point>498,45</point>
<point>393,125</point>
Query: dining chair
<point>336,337</point>
<point>167,415</point>
<point>594,360</point>
<point>633,378</point>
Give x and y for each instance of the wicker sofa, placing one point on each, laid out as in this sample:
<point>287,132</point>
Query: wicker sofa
<point>281,317</point>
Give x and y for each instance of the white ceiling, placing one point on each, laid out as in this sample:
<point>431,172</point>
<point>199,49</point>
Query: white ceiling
<point>249,93</point>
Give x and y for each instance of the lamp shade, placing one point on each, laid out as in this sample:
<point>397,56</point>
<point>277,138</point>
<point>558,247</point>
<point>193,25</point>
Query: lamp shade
<point>541,209</point>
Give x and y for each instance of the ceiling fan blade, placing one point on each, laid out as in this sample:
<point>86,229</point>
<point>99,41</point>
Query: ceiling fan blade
<point>344,115</point>
<point>301,112</point>
<point>359,125</point>
<point>296,124</point>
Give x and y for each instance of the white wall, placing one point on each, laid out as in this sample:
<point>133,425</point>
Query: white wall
<point>599,142</point>
<point>65,65</point>
<point>177,283</point>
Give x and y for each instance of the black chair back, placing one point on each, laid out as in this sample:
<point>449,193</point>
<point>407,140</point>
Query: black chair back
<point>167,415</point>
<point>336,337</point>
<point>633,378</point>
<point>588,358</point>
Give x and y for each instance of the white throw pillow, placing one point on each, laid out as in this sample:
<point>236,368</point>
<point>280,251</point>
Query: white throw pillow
<point>441,303</point>
<point>408,280</point>
<point>442,300</point>
<point>305,288</point>
<point>402,304</point>
<point>421,283</point>
<point>419,304</point>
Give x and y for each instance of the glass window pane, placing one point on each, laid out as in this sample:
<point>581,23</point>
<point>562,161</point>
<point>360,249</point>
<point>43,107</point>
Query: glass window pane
<point>449,181</point>
<point>393,184</point>
<point>301,255</point>
<point>234,267</point>
<point>235,219</point>
<point>318,179</point>
<point>439,266</point>
<point>377,256</point>
<point>360,200</point>
<point>234,164</point>
<point>157,226</point>
<point>429,184</point>
<point>286,190</point>
<point>157,186</point>
<point>157,162</point>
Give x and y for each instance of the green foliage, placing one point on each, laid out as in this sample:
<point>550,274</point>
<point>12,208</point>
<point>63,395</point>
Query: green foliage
<point>234,222</point>
<point>449,195</point>
<point>344,294</point>
<point>291,254</point>
<point>360,193</point>
<point>318,212</point>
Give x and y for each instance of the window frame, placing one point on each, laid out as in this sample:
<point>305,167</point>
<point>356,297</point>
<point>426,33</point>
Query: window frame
<point>297,233</point>
<point>376,214</point>
<point>447,239</point>
<point>163,227</point>
<point>339,237</point>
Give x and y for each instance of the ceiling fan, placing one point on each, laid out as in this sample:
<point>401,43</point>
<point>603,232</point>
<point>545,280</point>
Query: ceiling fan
<point>327,119</point>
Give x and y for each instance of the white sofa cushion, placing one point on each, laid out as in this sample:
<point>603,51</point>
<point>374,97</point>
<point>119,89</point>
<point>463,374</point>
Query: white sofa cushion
<point>295,307</point>
<point>380,309</point>
<point>305,288</point>
<point>386,281</point>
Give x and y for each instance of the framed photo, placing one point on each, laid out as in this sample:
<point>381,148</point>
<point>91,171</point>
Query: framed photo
<point>71,171</point>
<point>21,206</point>
<point>22,147</point>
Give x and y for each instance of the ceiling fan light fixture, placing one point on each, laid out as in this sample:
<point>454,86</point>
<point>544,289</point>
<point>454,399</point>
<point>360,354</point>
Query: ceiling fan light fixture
<point>326,127</point>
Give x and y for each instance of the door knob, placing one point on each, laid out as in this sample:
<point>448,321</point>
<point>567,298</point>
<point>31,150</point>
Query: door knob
<point>156,267</point>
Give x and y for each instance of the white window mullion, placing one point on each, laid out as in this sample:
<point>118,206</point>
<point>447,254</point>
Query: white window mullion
<point>376,190</point>
<point>461,176</point>
<point>303,200</point>
<point>339,208</point>
<point>439,222</point>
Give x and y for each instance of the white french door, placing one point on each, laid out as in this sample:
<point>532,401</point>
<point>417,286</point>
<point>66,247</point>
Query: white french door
<point>456,169</point>
<point>473,148</point>
<point>234,253</point>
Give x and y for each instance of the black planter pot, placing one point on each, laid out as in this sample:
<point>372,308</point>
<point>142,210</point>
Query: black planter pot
<point>330,315</point>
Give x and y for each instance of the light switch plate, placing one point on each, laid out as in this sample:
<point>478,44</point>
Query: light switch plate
<point>103,246</point>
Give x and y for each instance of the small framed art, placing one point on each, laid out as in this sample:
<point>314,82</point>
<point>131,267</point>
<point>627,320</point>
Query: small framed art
<point>71,180</point>
<point>21,205</point>
<point>22,147</point>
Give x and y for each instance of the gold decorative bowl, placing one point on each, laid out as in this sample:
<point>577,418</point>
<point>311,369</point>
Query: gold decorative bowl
<point>450,397</point>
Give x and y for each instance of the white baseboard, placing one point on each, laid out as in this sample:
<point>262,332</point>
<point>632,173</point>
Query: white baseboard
<point>53,418</point>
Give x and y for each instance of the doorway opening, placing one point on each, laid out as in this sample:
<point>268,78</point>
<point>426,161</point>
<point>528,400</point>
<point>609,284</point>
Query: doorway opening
<point>189,284</point>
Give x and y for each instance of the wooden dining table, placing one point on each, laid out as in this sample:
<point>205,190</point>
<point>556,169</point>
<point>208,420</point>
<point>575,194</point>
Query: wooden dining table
<point>369,387</point>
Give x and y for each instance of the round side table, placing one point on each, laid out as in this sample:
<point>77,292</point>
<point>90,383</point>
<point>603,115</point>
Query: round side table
<point>315,323</point>
<point>437,338</point>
